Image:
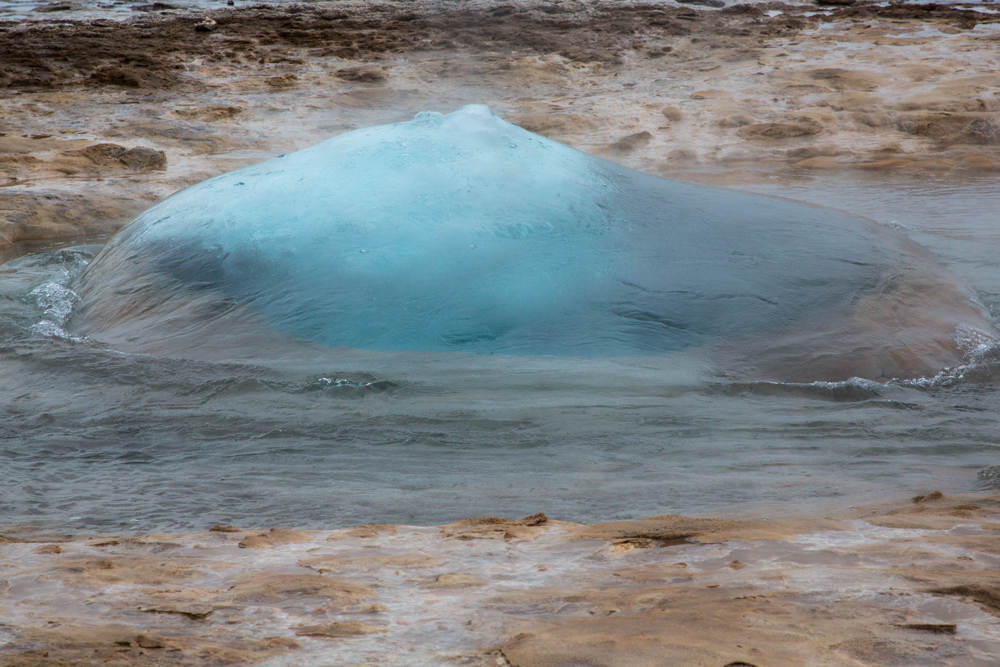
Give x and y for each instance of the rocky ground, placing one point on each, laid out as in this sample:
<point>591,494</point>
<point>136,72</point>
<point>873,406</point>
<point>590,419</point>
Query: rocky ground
<point>915,583</point>
<point>101,119</point>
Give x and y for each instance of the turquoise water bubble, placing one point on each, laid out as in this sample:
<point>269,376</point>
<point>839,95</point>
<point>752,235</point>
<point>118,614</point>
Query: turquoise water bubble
<point>465,233</point>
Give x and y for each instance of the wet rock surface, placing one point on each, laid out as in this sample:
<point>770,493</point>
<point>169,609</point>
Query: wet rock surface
<point>749,92</point>
<point>905,583</point>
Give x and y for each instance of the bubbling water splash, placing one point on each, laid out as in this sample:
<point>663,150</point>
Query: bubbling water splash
<point>464,233</point>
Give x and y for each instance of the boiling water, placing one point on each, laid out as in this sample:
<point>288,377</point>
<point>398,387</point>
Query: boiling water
<point>96,439</point>
<point>493,240</point>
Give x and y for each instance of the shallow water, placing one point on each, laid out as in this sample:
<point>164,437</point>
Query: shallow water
<point>93,439</point>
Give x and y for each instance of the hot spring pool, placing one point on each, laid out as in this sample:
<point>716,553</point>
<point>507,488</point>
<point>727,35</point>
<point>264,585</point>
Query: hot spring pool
<point>94,438</point>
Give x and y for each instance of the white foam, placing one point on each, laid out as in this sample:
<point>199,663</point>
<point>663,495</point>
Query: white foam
<point>57,301</point>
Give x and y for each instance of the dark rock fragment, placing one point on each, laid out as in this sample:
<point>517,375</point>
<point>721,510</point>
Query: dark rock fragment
<point>145,159</point>
<point>717,4</point>
<point>362,74</point>
<point>205,25</point>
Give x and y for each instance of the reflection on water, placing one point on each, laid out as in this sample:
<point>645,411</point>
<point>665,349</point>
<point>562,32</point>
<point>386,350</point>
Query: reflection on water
<point>95,439</point>
<point>958,219</point>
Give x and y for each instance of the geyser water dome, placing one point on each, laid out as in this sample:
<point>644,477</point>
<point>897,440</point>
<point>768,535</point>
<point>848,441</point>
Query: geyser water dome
<point>463,232</point>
